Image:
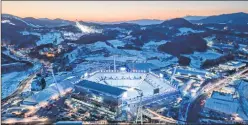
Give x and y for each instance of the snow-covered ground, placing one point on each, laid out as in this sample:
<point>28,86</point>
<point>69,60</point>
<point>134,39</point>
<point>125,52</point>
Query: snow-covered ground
<point>122,55</point>
<point>7,21</point>
<point>87,29</point>
<point>185,30</point>
<point>116,43</point>
<point>10,81</point>
<point>10,17</point>
<point>51,37</point>
<point>71,35</point>
<point>243,48</point>
<point>153,44</point>
<point>198,57</point>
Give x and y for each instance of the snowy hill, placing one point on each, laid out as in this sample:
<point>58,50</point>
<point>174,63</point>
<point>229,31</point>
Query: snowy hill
<point>233,18</point>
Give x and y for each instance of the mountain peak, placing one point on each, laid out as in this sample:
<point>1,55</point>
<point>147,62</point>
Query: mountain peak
<point>177,22</point>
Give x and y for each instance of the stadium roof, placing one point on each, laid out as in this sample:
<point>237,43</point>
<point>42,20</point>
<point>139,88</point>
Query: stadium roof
<point>101,87</point>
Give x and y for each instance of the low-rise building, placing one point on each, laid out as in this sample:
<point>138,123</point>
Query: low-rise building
<point>222,103</point>
<point>100,95</point>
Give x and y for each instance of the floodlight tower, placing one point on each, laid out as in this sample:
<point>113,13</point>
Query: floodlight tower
<point>172,76</point>
<point>114,63</point>
<point>139,116</point>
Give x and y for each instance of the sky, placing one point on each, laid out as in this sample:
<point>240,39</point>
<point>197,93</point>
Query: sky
<point>110,11</point>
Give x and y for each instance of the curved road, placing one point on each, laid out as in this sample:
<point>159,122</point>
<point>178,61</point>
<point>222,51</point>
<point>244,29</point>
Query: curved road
<point>20,88</point>
<point>195,106</point>
<point>194,109</point>
<point>24,83</point>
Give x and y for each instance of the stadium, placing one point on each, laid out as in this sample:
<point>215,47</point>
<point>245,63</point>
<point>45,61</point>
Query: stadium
<point>122,94</point>
<point>129,89</point>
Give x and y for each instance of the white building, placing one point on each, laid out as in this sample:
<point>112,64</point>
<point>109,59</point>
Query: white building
<point>222,103</point>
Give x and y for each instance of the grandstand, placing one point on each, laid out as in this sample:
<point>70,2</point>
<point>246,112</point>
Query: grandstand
<point>133,84</point>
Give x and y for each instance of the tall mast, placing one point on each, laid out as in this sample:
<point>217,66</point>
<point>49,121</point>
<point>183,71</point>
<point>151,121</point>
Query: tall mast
<point>54,79</point>
<point>114,64</point>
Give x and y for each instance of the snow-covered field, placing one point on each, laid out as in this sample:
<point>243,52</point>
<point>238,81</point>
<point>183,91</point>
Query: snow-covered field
<point>123,55</point>
<point>116,43</point>
<point>185,30</point>
<point>198,57</point>
<point>153,45</point>
<point>51,37</point>
<point>71,35</point>
<point>11,81</point>
<point>7,21</point>
<point>17,18</point>
<point>87,29</point>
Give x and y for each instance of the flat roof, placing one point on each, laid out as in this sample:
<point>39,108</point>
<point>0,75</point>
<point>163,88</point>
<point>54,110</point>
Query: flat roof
<point>187,71</point>
<point>101,87</point>
<point>222,96</point>
<point>222,106</point>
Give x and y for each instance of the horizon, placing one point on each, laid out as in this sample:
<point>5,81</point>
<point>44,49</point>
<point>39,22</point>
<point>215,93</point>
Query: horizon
<point>116,11</point>
<point>121,20</point>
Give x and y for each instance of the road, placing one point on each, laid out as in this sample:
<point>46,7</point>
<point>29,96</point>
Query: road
<point>194,107</point>
<point>223,82</point>
<point>24,84</point>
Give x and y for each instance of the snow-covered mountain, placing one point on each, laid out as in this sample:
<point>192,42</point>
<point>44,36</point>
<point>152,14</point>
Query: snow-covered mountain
<point>31,32</point>
<point>233,18</point>
<point>33,22</point>
<point>48,22</point>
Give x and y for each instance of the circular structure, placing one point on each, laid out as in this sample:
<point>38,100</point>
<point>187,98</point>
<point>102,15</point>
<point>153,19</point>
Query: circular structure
<point>136,82</point>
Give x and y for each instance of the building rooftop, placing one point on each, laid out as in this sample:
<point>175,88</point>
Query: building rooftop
<point>101,87</point>
<point>48,92</point>
<point>222,106</point>
<point>192,72</point>
<point>222,96</point>
<point>222,102</point>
